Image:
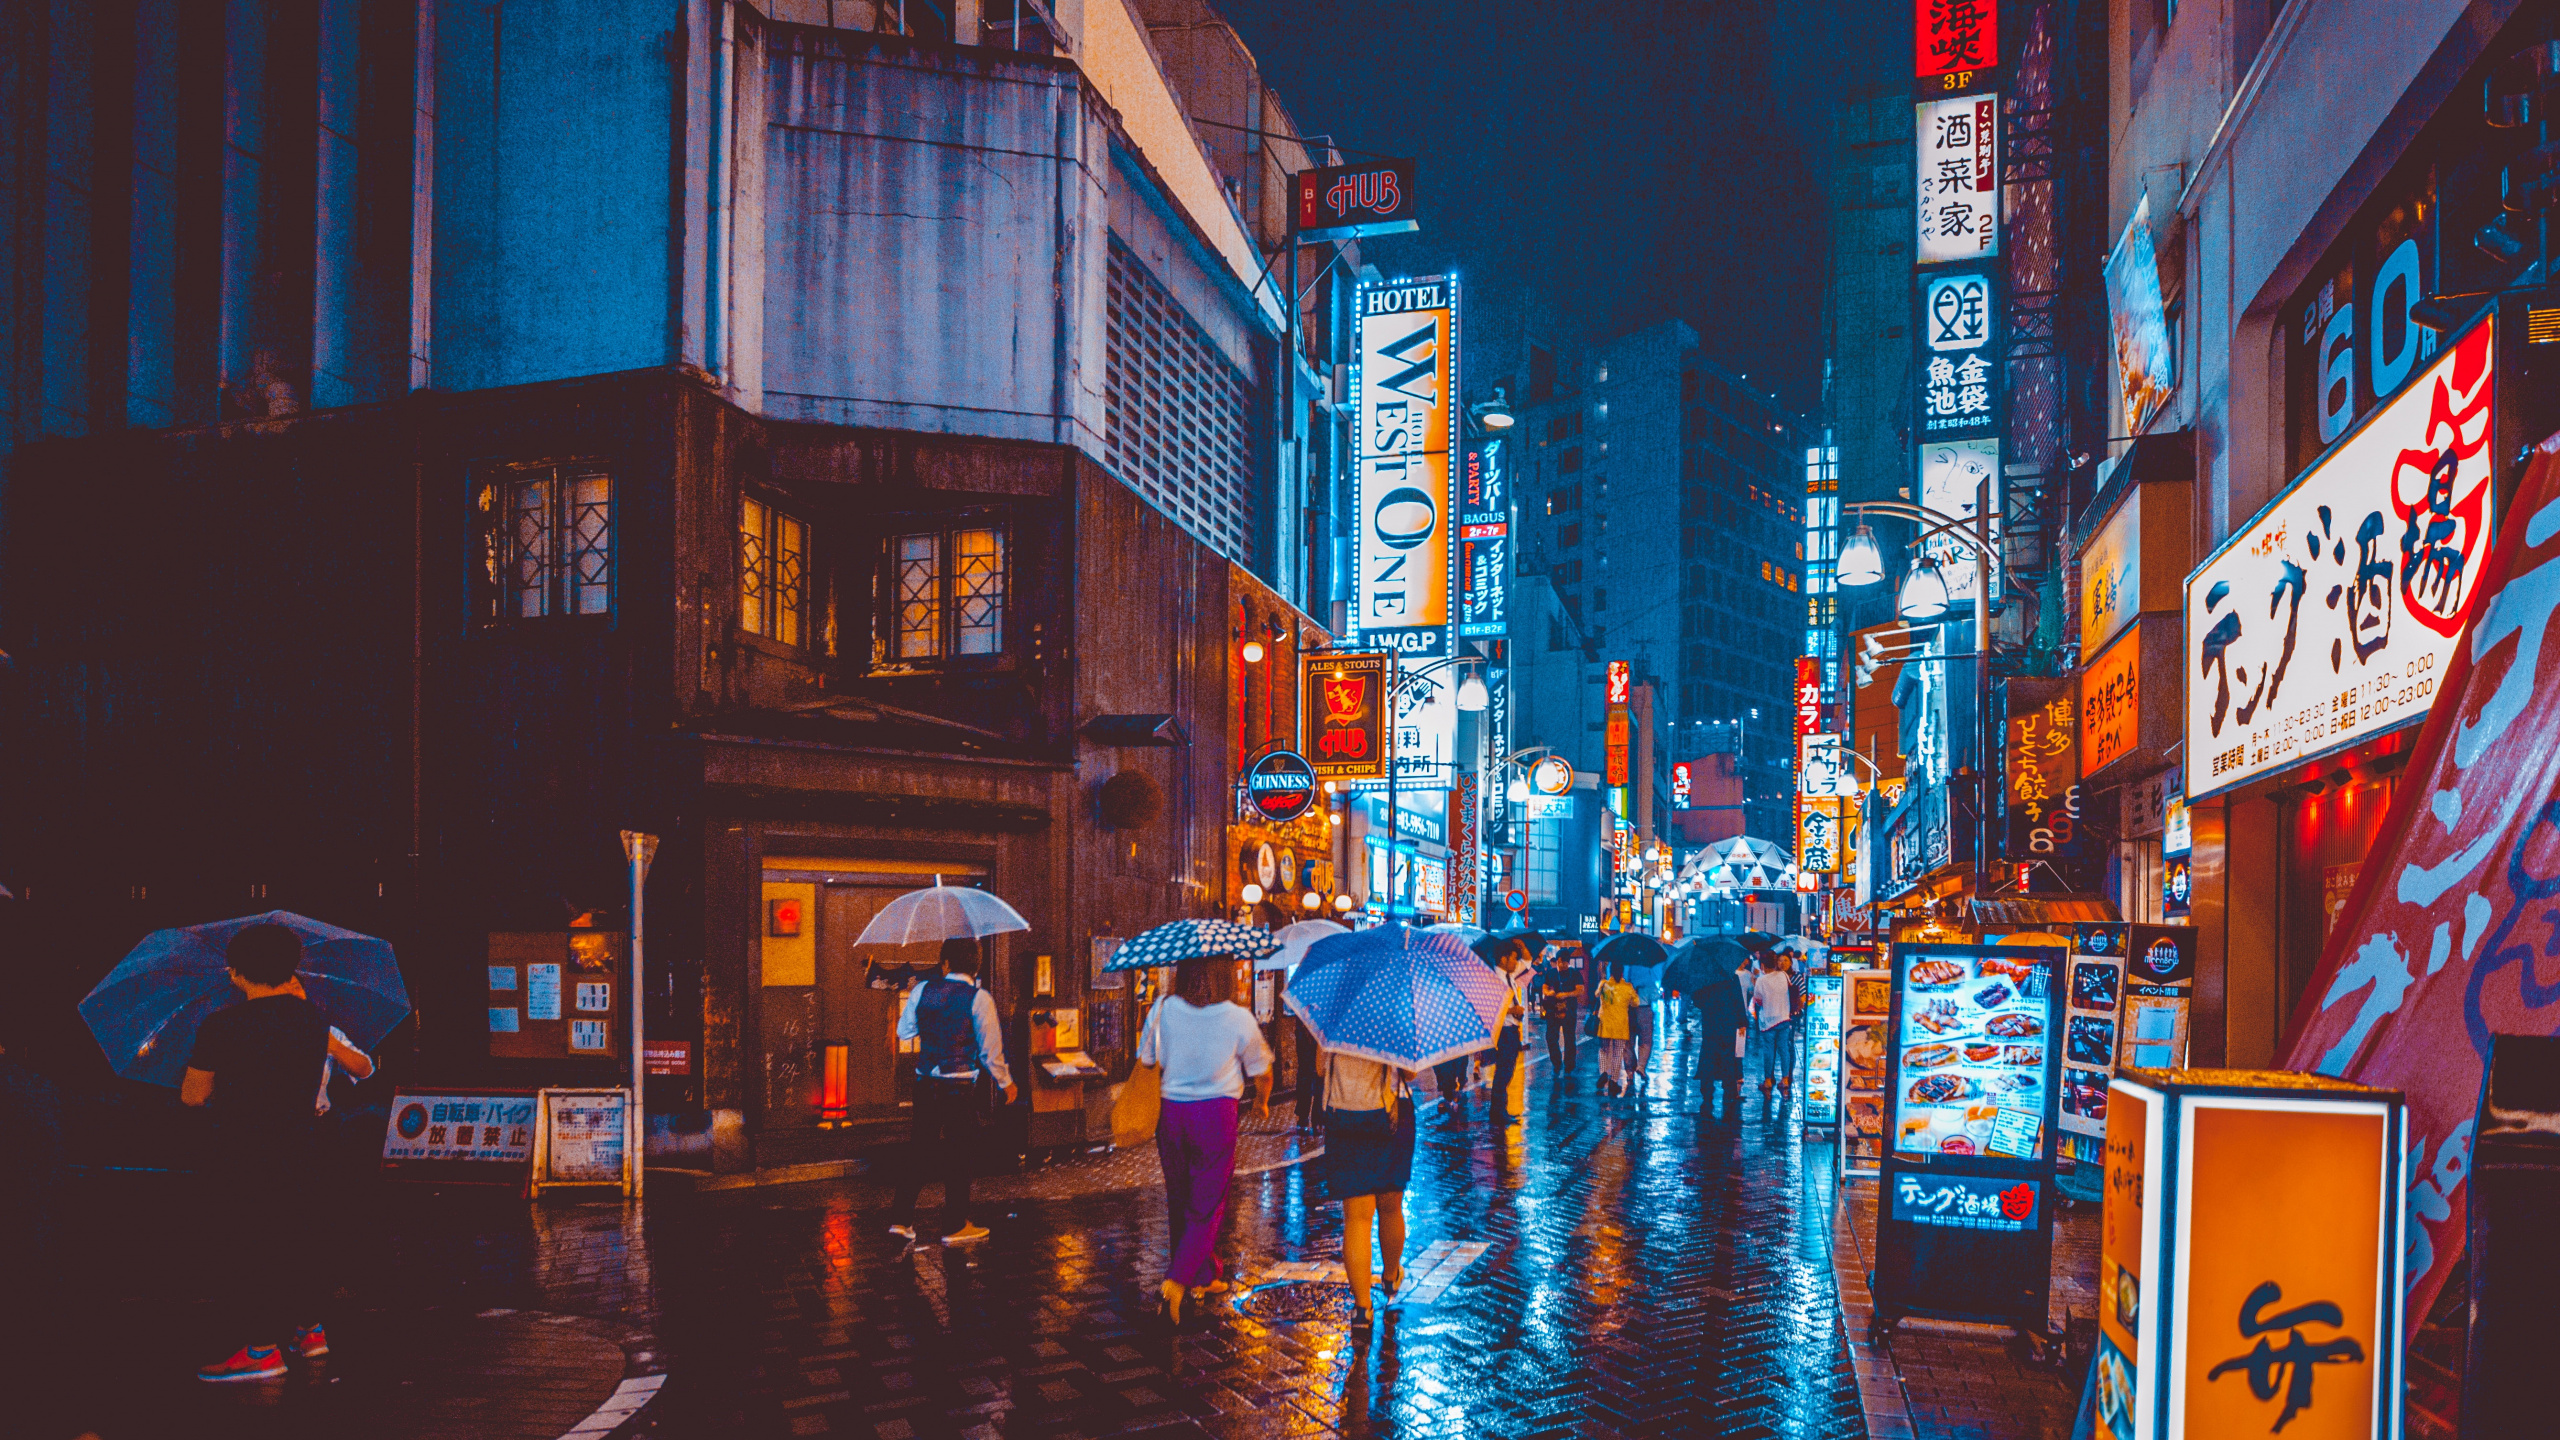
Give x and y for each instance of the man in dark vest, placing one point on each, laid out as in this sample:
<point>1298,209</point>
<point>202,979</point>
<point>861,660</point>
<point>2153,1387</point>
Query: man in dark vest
<point>953,1020</point>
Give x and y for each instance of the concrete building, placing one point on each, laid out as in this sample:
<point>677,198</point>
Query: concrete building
<point>1659,495</point>
<point>843,442</point>
<point>2316,243</point>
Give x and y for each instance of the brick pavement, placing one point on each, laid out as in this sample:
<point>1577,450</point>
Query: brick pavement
<point>1944,1381</point>
<point>1639,1274</point>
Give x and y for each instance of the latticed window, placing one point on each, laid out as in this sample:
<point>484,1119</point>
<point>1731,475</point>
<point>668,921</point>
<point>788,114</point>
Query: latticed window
<point>945,593</point>
<point>1177,420</point>
<point>544,535</point>
<point>773,573</point>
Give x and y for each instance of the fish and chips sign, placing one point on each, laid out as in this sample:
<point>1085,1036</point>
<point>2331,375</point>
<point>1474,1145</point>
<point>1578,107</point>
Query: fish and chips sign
<point>1346,715</point>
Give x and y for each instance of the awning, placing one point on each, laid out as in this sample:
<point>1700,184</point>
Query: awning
<point>2042,910</point>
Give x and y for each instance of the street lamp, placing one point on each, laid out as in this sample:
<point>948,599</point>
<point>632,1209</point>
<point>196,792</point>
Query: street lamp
<point>1924,593</point>
<point>1469,689</point>
<point>1861,562</point>
<point>1493,414</point>
<point>1924,597</point>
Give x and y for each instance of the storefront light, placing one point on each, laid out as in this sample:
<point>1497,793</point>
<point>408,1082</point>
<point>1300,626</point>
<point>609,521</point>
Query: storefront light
<point>1342,903</point>
<point>1251,894</point>
<point>1253,652</point>
<point>1311,900</point>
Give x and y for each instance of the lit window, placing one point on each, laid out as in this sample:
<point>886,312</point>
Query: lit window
<point>773,573</point>
<point>1542,861</point>
<point>545,542</point>
<point>946,594</point>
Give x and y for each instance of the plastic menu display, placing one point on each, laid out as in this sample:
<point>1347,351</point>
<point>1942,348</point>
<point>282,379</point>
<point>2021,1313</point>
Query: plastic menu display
<point>1974,1039</point>
<point>1823,997</point>
<point>2089,1036</point>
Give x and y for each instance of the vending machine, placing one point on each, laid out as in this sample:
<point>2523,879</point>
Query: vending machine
<point>1964,1213</point>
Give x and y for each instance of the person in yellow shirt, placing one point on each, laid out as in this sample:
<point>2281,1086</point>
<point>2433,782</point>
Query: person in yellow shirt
<point>1618,1001</point>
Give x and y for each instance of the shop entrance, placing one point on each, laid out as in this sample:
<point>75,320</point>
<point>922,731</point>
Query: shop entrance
<point>829,1006</point>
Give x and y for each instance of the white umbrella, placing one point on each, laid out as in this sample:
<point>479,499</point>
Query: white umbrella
<point>944,912</point>
<point>1294,940</point>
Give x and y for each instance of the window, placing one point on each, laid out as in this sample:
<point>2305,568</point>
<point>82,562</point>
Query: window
<point>945,592</point>
<point>773,573</point>
<point>1564,499</point>
<point>1569,461</point>
<point>1568,536</point>
<point>545,540</point>
<point>1568,572</point>
<point>1541,861</point>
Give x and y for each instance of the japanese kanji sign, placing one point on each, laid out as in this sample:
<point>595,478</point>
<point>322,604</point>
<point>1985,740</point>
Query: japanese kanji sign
<point>1959,179</point>
<point>2111,704</point>
<point>1821,835</point>
<point>2446,937</point>
<point>2334,615</point>
<point>2041,770</point>
<point>1952,36</point>
<point>1959,364</point>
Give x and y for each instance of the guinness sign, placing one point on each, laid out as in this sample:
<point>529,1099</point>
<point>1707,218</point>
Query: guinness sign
<point>1280,787</point>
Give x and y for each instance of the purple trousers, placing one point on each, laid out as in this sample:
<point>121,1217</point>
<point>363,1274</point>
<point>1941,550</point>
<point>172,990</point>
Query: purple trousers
<point>1196,1140</point>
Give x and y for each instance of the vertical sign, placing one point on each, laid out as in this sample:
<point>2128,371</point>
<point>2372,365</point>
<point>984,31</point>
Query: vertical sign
<point>2043,771</point>
<point>1404,405</point>
<point>1952,37</point>
<point>2111,704</point>
<point>1345,202</point>
<point>1959,179</point>
<point>1961,353</point>
<point>1484,539</point>
<point>1956,476</point>
<point>1346,715</point>
<point>1465,863</point>
<point>1680,784</point>
<point>2128,1255</point>
<point>1620,728</point>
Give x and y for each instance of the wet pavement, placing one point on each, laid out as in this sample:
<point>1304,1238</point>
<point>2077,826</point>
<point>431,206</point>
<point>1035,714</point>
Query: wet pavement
<point>1615,1267</point>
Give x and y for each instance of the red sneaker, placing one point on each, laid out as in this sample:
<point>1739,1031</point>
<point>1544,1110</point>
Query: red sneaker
<point>310,1342</point>
<point>249,1362</point>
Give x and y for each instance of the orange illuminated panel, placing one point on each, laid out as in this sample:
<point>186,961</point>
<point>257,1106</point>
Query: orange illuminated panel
<point>834,1083</point>
<point>2285,1314</point>
<point>2132,1176</point>
<point>2111,703</point>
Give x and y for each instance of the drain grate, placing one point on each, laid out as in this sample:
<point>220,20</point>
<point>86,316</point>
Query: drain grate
<point>1291,1300</point>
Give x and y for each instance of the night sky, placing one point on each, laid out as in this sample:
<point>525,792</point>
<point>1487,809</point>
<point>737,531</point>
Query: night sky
<point>1590,169</point>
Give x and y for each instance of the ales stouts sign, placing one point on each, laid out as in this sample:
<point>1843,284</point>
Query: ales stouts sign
<point>1346,719</point>
<point>1405,409</point>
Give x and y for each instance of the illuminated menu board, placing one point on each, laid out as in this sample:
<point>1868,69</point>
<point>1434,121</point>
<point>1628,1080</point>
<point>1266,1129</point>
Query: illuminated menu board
<point>1974,1050</point>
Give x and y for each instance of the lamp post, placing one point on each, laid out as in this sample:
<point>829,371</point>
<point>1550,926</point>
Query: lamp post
<point>1924,597</point>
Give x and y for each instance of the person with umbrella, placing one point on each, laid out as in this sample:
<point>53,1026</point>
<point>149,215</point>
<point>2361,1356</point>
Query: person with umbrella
<point>1385,1004</point>
<point>1511,953</point>
<point>1204,1046</point>
<point>960,1050</point>
<point>1715,995</point>
<point>253,1067</point>
<point>1638,958</point>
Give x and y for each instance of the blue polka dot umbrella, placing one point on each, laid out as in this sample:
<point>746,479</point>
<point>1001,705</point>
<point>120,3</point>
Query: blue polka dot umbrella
<point>1399,996</point>
<point>1192,940</point>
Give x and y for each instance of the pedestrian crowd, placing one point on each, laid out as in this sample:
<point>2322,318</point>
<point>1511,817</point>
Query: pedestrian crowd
<point>1208,1053</point>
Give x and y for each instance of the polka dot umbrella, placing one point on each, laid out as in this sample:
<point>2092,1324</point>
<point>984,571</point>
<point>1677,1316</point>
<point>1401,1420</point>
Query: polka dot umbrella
<point>1181,940</point>
<point>1399,996</point>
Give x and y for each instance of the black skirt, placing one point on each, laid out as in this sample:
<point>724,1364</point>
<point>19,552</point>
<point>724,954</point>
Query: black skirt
<point>1359,1160</point>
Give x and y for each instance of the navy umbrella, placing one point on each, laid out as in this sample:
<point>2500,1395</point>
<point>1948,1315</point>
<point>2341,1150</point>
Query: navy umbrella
<point>1631,948</point>
<point>1397,995</point>
<point>1181,940</point>
<point>1492,946</point>
<point>145,1013</point>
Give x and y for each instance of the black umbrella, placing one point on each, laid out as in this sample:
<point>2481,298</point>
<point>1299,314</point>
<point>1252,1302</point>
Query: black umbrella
<point>1756,939</point>
<point>1702,959</point>
<point>1631,948</point>
<point>1492,946</point>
